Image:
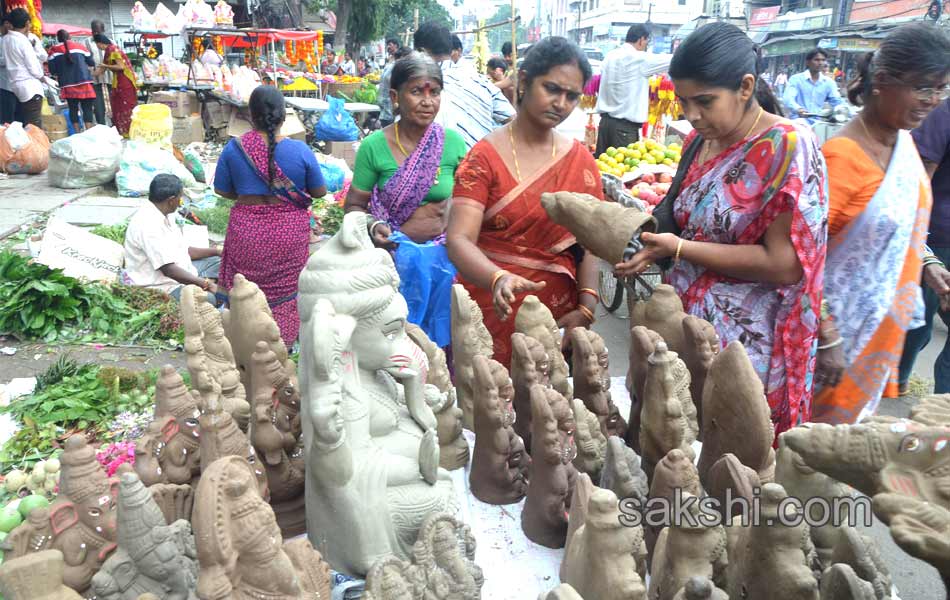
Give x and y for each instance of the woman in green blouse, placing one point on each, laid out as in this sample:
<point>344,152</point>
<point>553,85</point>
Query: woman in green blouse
<point>403,176</point>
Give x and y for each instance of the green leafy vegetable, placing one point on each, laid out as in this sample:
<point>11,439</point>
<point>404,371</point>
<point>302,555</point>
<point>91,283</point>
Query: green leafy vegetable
<point>116,232</point>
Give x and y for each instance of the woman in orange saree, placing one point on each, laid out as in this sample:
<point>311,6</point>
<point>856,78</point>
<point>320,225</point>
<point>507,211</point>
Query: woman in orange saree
<point>499,237</point>
<point>124,95</point>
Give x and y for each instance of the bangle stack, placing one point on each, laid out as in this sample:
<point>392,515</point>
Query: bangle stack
<point>496,277</point>
<point>588,314</point>
<point>933,259</point>
<point>589,291</point>
<point>679,248</point>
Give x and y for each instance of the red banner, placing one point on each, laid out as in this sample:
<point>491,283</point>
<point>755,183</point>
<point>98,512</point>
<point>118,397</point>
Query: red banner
<point>864,12</point>
<point>763,16</point>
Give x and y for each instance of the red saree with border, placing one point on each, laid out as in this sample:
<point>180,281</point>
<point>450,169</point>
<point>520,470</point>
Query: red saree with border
<point>517,234</point>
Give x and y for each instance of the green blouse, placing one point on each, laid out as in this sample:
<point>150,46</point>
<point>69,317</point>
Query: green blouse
<point>375,165</point>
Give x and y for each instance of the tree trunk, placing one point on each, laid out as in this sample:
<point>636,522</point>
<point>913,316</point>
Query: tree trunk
<point>343,10</point>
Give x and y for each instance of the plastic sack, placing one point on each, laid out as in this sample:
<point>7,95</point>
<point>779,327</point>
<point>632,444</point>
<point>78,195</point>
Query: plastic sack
<point>425,279</point>
<point>192,156</point>
<point>23,149</point>
<point>87,159</point>
<point>335,172</point>
<point>152,123</point>
<point>141,162</point>
<point>336,125</point>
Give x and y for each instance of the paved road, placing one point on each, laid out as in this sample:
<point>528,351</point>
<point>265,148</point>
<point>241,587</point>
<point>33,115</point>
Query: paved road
<point>916,580</point>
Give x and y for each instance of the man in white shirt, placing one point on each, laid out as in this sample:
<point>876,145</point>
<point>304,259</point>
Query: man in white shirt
<point>8,99</point>
<point>156,254</point>
<point>349,67</point>
<point>23,67</point>
<point>471,104</point>
<point>103,81</point>
<point>624,97</point>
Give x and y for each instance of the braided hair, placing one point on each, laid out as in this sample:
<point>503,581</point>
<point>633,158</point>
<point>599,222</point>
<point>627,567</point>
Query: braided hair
<point>267,114</point>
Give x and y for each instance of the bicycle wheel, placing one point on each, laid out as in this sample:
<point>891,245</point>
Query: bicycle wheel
<point>609,288</point>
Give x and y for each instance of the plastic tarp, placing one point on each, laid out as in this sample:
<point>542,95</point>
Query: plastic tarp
<point>51,29</point>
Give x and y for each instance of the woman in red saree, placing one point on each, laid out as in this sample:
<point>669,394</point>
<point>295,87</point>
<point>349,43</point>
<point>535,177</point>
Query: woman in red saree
<point>125,90</point>
<point>499,237</point>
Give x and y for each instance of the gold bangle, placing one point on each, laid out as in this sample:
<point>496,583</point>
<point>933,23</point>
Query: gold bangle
<point>590,291</point>
<point>586,312</point>
<point>496,276</point>
<point>679,248</point>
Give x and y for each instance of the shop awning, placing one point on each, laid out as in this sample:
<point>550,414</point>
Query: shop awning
<point>51,29</point>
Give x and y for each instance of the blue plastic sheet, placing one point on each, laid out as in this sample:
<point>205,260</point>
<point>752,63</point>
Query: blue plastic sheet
<point>336,125</point>
<point>425,279</point>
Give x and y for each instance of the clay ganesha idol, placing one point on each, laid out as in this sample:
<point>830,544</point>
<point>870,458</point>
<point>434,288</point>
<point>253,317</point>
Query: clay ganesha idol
<point>470,338</point>
<point>499,472</point>
<point>168,452</point>
<point>535,320</point>
<point>530,366</point>
<point>370,438</point>
<point>592,380</point>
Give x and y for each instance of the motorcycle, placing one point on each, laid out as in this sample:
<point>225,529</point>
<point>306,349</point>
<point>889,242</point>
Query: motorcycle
<point>827,122</point>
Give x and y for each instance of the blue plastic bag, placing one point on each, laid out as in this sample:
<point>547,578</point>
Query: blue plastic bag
<point>425,279</point>
<point>333,177</point>
<point>336,125</point>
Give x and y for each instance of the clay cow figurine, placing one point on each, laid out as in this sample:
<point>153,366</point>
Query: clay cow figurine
<point>275,435</point>
<point>736,415</point>
<point>168,452</point>
<point>37,576</point>
<point>499,473</point>
<point>668,418</point>
<point>602,561</point>
<point>622,473</point>
<point>675,472</point>
<point>902,456</point>
<point>240,549</point>
<point>535,320</point>
<point>592,380</point>
<point>80,523</point>
<point>591,443</point>
<point>469,338</point>
<point>642,344</point>
<point>442,566</point>
<point>685,550</point>
<point>152,557</point>
<point>453,447</point>
<point>544,518</point>
<point>771,560</point>
<point>920,528</point>
<point>530,366</point>
<point>209,353</point>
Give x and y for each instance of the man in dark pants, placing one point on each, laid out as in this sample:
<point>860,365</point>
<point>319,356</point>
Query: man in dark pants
<point>624,97</point>
<point>102,81</point>
<point>23,68</point>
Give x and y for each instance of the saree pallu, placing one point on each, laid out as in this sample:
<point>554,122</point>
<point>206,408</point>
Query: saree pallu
<point>517,234</point>
<point>124,93</point>
<point>872,286</point>
<point>733,199</point>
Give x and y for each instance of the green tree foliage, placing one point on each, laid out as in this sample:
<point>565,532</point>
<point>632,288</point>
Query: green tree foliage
<point>362,21</point>
<point>499,35</point>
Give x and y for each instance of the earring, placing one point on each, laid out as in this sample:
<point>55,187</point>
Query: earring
<point>876,92</point>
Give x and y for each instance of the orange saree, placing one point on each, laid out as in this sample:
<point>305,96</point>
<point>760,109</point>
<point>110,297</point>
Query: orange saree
<point>517,234</point>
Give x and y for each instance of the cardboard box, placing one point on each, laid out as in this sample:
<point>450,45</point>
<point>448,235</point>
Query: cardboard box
<point>182,104</point>
<point>187,130</point>
<point>54,122</point>
<point>217,114</point>
<point>79,253</point>
<point>240,124</point>
<point>344,150</point>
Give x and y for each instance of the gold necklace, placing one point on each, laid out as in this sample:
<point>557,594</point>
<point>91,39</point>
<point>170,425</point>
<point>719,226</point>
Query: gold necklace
<point>747,134</point>
<point>876,160</point>
<point>406,154</point>
<point>514,153</point>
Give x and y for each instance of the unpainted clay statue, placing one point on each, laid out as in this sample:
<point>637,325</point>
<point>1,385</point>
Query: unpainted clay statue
<point>920,528</point>
<point>771,559</point>
<point>530,366</point>
<point>903,456</point>
<point>862,554</point>
<point>840,582</point>
<point>668,417</point>
<point>453,447</point>
<point>591,443</point>
<point>168,452</point>
<point>535,320</point>
<point>932,410</point>
<point>642,344</point>
<point>592,380</point>
<point>701,344</point>
<point>240,549</point>
<point>221,437</point>
<point>736,415</point>
<point>803,482</point>
<point>205,339</point>
<point>275,435</point>
<point>687,549</point>
<point>561,592</point>
<point>604,228</point>
<point>580,497</point>
<point>499,473</point>
<point>622,473</point>
<point>662,313</point>
<point>247,321</point>
<point>731,483</point>
<point>176,501</point>
<point>470,338</point>
<point>675,473</point>
<point>313,572</point>
<point>442,566</point>
<point>37,576</point>
<point>551,482</point>
<point>80,523</point>
<point>606,558</point>
<point>700,588</point>
<point>372,450</point>
<point>152,557</point>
